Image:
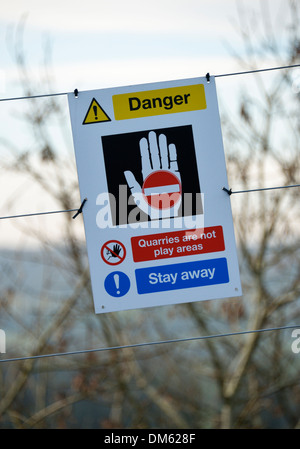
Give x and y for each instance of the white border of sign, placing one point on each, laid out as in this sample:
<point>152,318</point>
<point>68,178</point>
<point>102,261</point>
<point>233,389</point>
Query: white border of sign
<point>92,182</point>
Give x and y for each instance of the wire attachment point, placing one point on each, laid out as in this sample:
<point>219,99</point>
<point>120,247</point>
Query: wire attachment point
<point>207,77</point>
<point>76,93</point>
<point>79,211</point>
<point>227,191</point>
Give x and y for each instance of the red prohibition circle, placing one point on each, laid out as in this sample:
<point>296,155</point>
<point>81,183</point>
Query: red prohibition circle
<point>111,254</point>
<point>162,189</point>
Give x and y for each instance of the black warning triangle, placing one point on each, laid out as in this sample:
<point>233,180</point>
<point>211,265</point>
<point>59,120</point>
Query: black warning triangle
<point>95,114</point>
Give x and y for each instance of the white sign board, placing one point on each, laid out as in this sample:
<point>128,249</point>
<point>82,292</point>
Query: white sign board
<point>158,224</point>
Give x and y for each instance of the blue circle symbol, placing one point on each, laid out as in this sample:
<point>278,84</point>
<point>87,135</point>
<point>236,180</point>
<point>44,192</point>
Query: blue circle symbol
<point>117,284</point>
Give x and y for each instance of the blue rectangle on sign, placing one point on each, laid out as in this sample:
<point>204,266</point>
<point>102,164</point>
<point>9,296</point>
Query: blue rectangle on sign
<point>182,275</point>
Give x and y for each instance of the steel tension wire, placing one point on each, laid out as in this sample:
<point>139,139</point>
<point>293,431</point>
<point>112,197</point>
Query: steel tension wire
<point>152,343</point>
<point>207,77</point>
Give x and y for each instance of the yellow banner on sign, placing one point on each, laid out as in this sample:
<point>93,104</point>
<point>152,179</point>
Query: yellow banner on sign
<point>161,101</point>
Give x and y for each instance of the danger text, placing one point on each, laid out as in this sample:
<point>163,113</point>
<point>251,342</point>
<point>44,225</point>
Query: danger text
<point>167,102</point>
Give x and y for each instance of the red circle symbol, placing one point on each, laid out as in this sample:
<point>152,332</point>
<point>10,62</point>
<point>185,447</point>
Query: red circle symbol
<point>162,189</point>
<point>113,252</point>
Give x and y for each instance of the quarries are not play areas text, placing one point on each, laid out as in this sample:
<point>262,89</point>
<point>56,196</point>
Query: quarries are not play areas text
<point>177,243</point>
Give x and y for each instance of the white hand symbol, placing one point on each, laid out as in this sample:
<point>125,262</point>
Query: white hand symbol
<point>156,156</point>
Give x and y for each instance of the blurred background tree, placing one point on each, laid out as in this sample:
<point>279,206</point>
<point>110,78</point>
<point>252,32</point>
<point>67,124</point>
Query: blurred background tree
<point>249,381</point>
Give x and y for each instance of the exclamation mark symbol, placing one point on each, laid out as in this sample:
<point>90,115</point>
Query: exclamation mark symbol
<point>95,112</point>
<point>117,282</point>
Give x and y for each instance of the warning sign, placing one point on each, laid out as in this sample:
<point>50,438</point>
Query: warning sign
<point>162,189</point>
<point>95,114</point>
<point>158,102</point>
<point>182,276</point>
<point>113,252</point>
<point>158,223</point>
<point>158,169</point>
<point>177,244</point>
<point>117,284</point>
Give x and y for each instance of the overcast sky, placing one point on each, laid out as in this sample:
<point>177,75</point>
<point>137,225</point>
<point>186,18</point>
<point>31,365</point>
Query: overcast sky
<point>103,43</point>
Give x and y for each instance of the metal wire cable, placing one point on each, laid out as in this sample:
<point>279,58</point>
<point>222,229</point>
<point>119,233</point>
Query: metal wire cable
<point>37,213</point>
<point>29,97</point>
<point>246,72</point>
<point>78,211</point>
<point>230,192</point>
<point>152,343</point>
<point>258,70</point>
